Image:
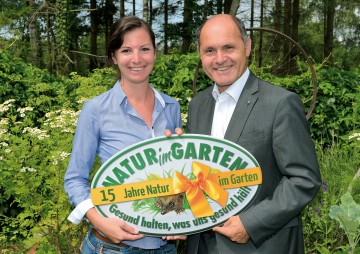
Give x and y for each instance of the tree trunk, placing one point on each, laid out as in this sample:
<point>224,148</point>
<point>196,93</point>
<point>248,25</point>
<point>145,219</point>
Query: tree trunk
<point>227,6</point>
<point>146,10</point>
<point>287,17</point>
<point>94,28</point>
<point>122,8</point>
<point>34,37</point>
<point>277,26</point>
<point>294,33</point>
<point>329,13</point>
<point>252,11</point>
<point>295,20</point>
<point>206,10</point>
<point>166,13</point>
<point>219,6</point>
<point>62,35</point>
<point>109,13</point>
<point>134,9</point>
<point>186,34</point>
<point>151,16</point>
<point>234,7</point>
<point>287,31</point>
<point>277,15</point>
<point>261,34</point>
<point>49,25</point>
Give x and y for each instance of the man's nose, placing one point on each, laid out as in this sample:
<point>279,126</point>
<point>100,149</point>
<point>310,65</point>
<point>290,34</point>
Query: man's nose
<point>220,57</point>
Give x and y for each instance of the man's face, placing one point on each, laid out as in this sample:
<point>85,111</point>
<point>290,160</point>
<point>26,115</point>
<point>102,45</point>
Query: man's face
<point>222,51</point>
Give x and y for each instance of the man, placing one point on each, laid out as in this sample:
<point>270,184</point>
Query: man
<point>270,123</point>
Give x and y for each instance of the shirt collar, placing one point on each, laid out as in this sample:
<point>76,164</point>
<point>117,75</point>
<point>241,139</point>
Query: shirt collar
<point>235,89</point>
<point>120,94</point>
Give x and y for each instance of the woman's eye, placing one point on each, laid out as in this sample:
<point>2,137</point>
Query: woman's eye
<point>126,51</point>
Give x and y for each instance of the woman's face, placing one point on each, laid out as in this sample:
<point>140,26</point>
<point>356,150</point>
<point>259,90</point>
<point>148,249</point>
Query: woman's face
<point>135,58</point>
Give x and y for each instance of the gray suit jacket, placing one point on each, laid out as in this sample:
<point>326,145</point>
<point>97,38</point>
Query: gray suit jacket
<point>270,123</point>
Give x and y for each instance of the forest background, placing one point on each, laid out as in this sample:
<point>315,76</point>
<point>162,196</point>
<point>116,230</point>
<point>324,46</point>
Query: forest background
<point>52,59</point>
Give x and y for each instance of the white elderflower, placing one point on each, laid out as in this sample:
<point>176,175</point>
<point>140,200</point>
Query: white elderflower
<point>8,102</point>
<point>355,135</point>
<point>4,121</point>
<point>27,169</point>
<point>6,105</point>
<point>36,132</point>
<point>23,110</point>
<point>62,119</point>
<point>184,117</point>
<point>64,155</point>
<point>3,144</point>
<point>2,131</point>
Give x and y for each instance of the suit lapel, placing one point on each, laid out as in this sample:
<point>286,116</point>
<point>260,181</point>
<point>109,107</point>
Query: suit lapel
<point>243,109</point>
<point>206,113</point>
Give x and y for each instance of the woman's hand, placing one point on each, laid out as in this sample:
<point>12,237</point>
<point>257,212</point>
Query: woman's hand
<point>114,229</point>
<point>178,131</point>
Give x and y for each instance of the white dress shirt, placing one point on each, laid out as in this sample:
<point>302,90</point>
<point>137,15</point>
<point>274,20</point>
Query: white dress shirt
<point>225,105</point>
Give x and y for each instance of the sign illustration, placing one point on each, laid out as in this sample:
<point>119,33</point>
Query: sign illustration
<point>178,185</point>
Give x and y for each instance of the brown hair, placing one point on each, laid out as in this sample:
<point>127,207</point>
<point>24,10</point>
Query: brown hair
<point>121,27</point>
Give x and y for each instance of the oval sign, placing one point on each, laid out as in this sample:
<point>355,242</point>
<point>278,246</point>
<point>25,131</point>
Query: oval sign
<point>177,186</point>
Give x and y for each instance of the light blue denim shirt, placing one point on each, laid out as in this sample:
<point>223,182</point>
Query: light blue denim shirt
<point>107,124</point>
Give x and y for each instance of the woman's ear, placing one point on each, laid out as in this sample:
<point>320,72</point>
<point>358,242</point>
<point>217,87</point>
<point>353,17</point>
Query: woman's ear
<point>113,58</point>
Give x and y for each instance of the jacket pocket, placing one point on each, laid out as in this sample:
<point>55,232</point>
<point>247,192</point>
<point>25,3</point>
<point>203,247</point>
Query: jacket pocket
<point>250,137</point>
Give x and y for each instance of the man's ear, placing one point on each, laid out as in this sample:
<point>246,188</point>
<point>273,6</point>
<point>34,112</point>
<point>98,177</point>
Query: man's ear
<point>248,47</point>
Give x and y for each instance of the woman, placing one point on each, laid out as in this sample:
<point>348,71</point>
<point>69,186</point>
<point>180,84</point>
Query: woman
<point>130,112</point>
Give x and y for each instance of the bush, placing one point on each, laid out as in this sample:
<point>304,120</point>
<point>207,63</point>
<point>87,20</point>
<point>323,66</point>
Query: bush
<point>38,118</point>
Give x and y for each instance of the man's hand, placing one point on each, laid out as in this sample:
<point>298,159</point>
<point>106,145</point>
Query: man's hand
<point>234,230</point>
<point>178,131</point>
<point>114,229</point>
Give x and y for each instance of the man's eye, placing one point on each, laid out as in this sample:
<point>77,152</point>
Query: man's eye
<point>209,51</point>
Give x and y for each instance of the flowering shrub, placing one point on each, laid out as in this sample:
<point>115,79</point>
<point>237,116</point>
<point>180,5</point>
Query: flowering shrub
<point>33,158</point>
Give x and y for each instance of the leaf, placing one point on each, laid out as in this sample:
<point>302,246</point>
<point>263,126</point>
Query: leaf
<point>348,214</point>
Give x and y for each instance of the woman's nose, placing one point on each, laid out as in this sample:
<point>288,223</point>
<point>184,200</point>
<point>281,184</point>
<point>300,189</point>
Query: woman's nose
<point>136,57</point>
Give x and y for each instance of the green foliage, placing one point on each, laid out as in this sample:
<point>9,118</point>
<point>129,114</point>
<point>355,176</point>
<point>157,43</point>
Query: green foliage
<point>321,233</point>
<point>348,215</point>
<point>28,85</point>
<point>36,131</point>
<point>174,75</point>
<point>38,117</point>
<point>337,108</point>
<point>96,83</point>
